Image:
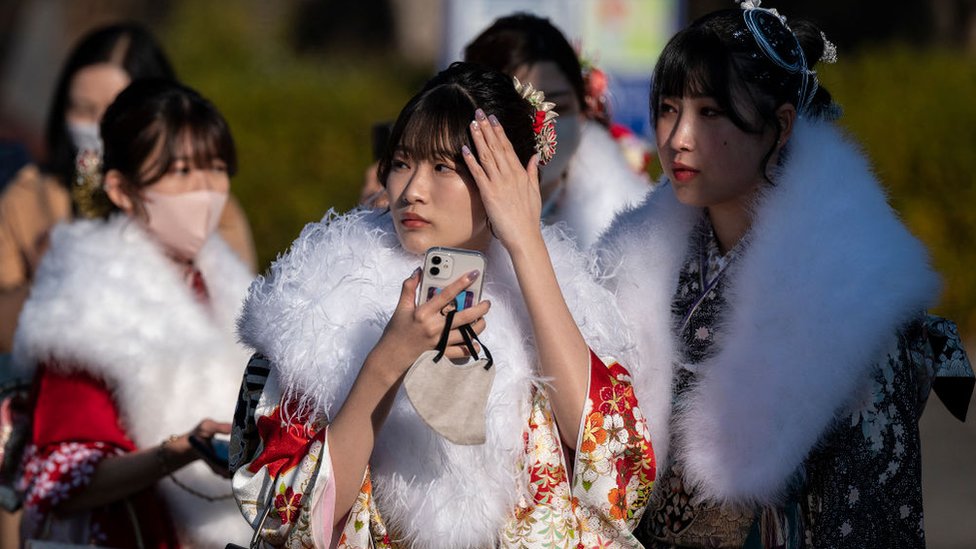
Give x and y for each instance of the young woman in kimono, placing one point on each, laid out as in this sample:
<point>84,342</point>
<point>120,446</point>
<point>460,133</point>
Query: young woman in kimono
<point>329,451</point>
<point>783,353</point>
<point>130,326</point>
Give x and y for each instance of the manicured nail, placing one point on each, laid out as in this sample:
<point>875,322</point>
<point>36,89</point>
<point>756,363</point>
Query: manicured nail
<point>465,150</point>
<point>416,272</point>
<point>473,275</point>
<point>475,127</point>
<point>479,114</point>
<point>494,121</point>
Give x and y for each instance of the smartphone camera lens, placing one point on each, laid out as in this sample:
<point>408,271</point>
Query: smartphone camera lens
<point>434,271</point>
<point>436,260</point>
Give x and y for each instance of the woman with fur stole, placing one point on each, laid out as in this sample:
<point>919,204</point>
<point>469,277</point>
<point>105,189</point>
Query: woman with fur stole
<point>328,449</point>
<point>130,326</point>
<point>778,303</point>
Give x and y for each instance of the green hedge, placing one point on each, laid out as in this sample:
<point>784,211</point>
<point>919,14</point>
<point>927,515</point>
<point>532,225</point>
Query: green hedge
<point>915,115</point>
<point>302,127</point>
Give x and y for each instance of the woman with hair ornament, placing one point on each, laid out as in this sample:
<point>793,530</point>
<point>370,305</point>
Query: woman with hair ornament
<point>330,452</point>
<point>783,355</point>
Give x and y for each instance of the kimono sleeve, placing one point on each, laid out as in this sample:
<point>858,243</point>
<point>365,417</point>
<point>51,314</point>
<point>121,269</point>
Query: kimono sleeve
<point>283,478</point>
<point>614,466</point>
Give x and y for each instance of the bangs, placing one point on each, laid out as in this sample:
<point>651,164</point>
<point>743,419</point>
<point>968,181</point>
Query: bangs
<point>190,132</point>
<point>433,127</point>
<point>696,63</point>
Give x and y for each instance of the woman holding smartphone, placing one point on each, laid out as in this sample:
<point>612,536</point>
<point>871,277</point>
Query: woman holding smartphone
<point>326,447</point>
<point>130,329</point>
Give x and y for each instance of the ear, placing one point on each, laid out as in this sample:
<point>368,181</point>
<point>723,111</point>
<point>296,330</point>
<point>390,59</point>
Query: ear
<point>785,117</point>
<point>114,187</point>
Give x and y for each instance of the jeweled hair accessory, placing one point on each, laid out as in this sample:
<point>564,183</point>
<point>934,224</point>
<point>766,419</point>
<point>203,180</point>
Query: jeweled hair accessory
<point>543,124</point>
<point>781,46</point>
<point>86,191</point>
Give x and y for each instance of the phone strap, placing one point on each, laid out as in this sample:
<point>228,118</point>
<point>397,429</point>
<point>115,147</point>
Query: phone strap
<point>469,336</point>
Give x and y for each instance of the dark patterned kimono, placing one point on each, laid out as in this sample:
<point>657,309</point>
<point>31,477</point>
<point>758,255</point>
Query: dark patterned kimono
<point>861,485</point>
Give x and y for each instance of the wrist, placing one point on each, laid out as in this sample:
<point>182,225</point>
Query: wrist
<point>528,247</point>
<point>174,453</point>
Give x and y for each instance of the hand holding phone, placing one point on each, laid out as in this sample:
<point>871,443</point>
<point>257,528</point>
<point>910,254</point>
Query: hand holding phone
<point>215,451</point>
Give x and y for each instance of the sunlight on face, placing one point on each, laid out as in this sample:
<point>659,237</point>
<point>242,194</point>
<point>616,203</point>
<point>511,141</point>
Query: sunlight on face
<point>433,204</point>
<point>709,160</point>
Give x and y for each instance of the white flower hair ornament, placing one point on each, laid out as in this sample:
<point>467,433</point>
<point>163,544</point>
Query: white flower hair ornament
<point>543,122</point>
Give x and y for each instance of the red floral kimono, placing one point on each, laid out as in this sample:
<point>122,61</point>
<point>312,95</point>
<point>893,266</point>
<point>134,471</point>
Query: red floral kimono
<point>591,498</point>
<point>76,426</point>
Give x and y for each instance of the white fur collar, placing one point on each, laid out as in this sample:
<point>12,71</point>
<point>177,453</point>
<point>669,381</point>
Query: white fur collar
<point>107,301</point>
<point>599,183</point>
<point>826,278</point>
<point>323,306</point>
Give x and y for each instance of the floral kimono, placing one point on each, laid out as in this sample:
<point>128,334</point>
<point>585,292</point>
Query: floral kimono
<point>521,488</point>
<point>782,382</point>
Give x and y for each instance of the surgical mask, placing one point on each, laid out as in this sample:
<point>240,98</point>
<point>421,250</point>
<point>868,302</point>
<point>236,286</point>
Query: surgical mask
<point>183,222</point>
<point>85,136</point>
<point>568,131</point>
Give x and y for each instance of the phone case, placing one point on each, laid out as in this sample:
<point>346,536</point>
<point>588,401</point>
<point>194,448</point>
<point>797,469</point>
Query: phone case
<point>443,265</point>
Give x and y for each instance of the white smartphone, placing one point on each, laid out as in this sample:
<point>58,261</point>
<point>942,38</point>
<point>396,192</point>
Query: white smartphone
<point>443,265</point>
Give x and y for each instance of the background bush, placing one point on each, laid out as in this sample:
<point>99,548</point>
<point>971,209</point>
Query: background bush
<point>302,125</point>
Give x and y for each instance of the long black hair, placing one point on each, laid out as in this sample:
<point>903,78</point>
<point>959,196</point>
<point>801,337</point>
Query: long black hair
<point>127,45</point>
<point>435,123</point>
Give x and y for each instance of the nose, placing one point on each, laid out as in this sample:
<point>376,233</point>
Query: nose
<point>682,136</point>
<point>417,190</point>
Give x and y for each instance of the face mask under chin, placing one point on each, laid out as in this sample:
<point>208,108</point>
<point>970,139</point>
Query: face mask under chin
<point>85,136</point>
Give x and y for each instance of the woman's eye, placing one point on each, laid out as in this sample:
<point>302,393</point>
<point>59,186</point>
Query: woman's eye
<point>667,108</point>
<point>398,164</point>
<point>712,112</point>
<point>443,168</point>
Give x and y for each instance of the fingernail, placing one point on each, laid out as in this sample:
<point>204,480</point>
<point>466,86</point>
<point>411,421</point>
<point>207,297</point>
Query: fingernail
<point>475,127</point>
<point>465,150</point>
<point>416,272</point>
<point>473,274</point>
<point>493,121</point>
<point>479,114</point>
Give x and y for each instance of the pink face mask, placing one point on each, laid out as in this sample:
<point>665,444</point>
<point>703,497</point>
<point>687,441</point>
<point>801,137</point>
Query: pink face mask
<point>183,222</point>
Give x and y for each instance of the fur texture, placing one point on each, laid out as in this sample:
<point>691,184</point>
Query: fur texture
<point>827,277</point>
<point>108,302</point>
<point>322,308</point>
<point>599,183</point>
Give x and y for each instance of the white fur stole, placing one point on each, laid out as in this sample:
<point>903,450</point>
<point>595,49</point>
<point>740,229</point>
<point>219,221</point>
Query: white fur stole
<point>827,276</point>
<point>322,308</point>
<point>107,301</point>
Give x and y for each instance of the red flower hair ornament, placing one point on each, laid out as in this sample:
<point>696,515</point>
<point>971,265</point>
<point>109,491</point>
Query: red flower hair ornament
<point>543,123</point>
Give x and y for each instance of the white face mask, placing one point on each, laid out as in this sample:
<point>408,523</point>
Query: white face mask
<point>568,131</point>
<point>183,222</point>
<point>85,136</point>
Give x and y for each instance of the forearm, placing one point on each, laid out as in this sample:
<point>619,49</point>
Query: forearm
<point>563,353</point>
<point>352,433</point>
<point>11,302</point>
<point>116,478</point>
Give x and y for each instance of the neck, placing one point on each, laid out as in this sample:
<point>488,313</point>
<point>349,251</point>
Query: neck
<point>730,222</point>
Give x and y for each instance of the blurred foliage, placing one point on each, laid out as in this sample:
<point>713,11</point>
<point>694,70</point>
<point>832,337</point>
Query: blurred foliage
<point>914,113</point>
<point>302,125</point>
